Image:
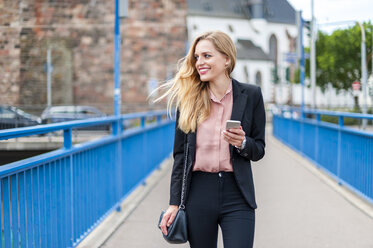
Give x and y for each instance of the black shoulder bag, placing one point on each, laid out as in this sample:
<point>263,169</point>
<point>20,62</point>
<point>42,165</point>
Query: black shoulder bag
<point>177,231</point>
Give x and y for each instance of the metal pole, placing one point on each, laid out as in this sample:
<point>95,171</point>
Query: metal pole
<point>313,57</point>
<point>120,11</point>
<point>302,76</point>
<point>363,73</point>
<point>49,77</point>
<point>371,73</point>
<point>117,90</point>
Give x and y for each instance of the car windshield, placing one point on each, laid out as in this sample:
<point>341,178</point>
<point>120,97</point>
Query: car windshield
<point>12,112</point>
<point>23,113</point>
<point>6,113</point>
<point>58,110</point>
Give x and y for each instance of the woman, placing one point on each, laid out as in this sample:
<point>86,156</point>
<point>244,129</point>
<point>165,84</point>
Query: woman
<point>220,189</point>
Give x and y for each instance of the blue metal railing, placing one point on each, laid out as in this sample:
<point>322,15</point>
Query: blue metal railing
<point>56,199</point>
<point>343,152</point>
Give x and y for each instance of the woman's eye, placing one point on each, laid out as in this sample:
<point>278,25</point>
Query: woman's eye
<point>196,57</point>
<point>207,55</point>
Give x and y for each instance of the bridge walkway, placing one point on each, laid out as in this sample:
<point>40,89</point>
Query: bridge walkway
<point>298,207</point>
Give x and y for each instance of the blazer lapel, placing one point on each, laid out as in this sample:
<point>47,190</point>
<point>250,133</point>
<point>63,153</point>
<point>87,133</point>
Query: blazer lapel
<point>239,101</point>
<point>239,104</point>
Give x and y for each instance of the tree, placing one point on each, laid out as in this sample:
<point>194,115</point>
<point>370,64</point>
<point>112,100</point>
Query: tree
<point>338,56</point>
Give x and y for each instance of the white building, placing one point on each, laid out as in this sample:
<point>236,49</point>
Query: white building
<point>264,32</point>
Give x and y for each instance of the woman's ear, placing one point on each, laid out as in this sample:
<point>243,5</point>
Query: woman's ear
<point>227,61</point>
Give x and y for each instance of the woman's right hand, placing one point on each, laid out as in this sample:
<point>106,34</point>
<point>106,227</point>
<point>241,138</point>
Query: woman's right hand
<point>168,218</point>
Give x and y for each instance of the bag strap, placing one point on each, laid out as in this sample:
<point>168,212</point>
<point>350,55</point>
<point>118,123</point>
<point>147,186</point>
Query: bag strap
<point>183,187</point>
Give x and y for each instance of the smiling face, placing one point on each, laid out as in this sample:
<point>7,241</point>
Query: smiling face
<point>210,63</point>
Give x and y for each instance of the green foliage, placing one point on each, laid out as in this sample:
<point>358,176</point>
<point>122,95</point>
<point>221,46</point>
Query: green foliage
<point>296,79</point>
<point>287,74</point>
<point>346,120</point>
<point>338,56</point>
<point>275,77</point>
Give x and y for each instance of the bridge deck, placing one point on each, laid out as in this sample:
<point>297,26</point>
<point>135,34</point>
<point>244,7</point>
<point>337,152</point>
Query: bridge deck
<point>296,208</point>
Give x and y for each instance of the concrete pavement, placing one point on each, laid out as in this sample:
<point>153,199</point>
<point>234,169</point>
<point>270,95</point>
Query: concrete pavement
<point>297,207</point>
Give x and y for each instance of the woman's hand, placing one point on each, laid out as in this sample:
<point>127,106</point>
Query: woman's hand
<point>168,218</point>
<point>234,136</point>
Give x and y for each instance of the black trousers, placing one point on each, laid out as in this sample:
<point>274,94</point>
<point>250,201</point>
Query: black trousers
<point>215,199</point>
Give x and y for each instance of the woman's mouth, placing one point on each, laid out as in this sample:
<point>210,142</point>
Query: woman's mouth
<point>203,71</point>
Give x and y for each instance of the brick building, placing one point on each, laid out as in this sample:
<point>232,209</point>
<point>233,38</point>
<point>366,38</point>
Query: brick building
<point>80,34</point>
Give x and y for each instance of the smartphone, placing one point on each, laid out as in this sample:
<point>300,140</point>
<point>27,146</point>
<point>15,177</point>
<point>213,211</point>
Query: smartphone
<point>232,124</point>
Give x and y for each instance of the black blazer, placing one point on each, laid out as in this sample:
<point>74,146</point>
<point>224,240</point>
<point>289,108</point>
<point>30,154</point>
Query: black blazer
<point>248,107</point>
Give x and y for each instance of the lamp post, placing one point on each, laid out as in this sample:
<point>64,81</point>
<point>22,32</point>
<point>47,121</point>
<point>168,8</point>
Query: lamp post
<point>49,68</point>
<point>121,10</point>
<point>300,52</point>
<point>313,57</point>
<point>370,80</point>
<point>363,73</point>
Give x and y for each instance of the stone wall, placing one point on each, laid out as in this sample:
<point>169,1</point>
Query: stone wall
<point>80,36</point>
<point>154,40</point>
<point>9,52</point>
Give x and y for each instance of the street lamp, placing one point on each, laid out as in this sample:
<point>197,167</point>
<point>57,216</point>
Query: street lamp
<point>300,52</point>
<point>313,56</point>
<point>363,72</point>
<point>121,10</point>
<point>49,69</point>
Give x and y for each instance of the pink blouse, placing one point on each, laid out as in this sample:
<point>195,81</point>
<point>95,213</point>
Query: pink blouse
<point>212,151</point>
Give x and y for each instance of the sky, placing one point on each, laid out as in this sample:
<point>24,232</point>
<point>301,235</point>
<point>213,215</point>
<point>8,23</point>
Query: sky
<point>328,11</point>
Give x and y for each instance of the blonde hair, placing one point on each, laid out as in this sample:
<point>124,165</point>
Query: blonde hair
<point>186,90</point>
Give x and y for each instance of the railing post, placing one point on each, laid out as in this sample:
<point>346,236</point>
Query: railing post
<point>340,125</point>
<point>117,127</point>
<point>340,121</point>
<point>119,164</point>
<point>142,124</point>
<point>159,119</point>
<point>302,131</point>
<point>318,120</point>
<point>71,201</point>
<point>67,138</point>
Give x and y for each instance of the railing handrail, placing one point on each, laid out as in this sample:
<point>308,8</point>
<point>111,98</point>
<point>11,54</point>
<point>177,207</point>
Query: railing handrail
<point>143,114</point>
<point>329,112</point>
<point>47,128</point>
<point>55,154</point>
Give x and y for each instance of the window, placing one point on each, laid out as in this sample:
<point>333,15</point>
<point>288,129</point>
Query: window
<point>273,49</point>
<point>246,73</point>
<point>258,78</point>
<point>6,113</point>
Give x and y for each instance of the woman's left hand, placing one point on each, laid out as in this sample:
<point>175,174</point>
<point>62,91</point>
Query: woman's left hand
<point>234,136</point>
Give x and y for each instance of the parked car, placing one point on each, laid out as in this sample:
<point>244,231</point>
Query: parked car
<point>69,113</point>
<point>12,117</point>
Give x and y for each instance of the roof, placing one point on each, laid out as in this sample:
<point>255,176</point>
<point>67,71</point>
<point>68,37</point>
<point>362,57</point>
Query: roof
<point>277,11</point>
<point>246,50</point>
<point>224,8</point>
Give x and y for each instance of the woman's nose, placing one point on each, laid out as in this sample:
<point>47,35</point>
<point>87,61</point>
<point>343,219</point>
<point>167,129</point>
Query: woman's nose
<point>199,61</point>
